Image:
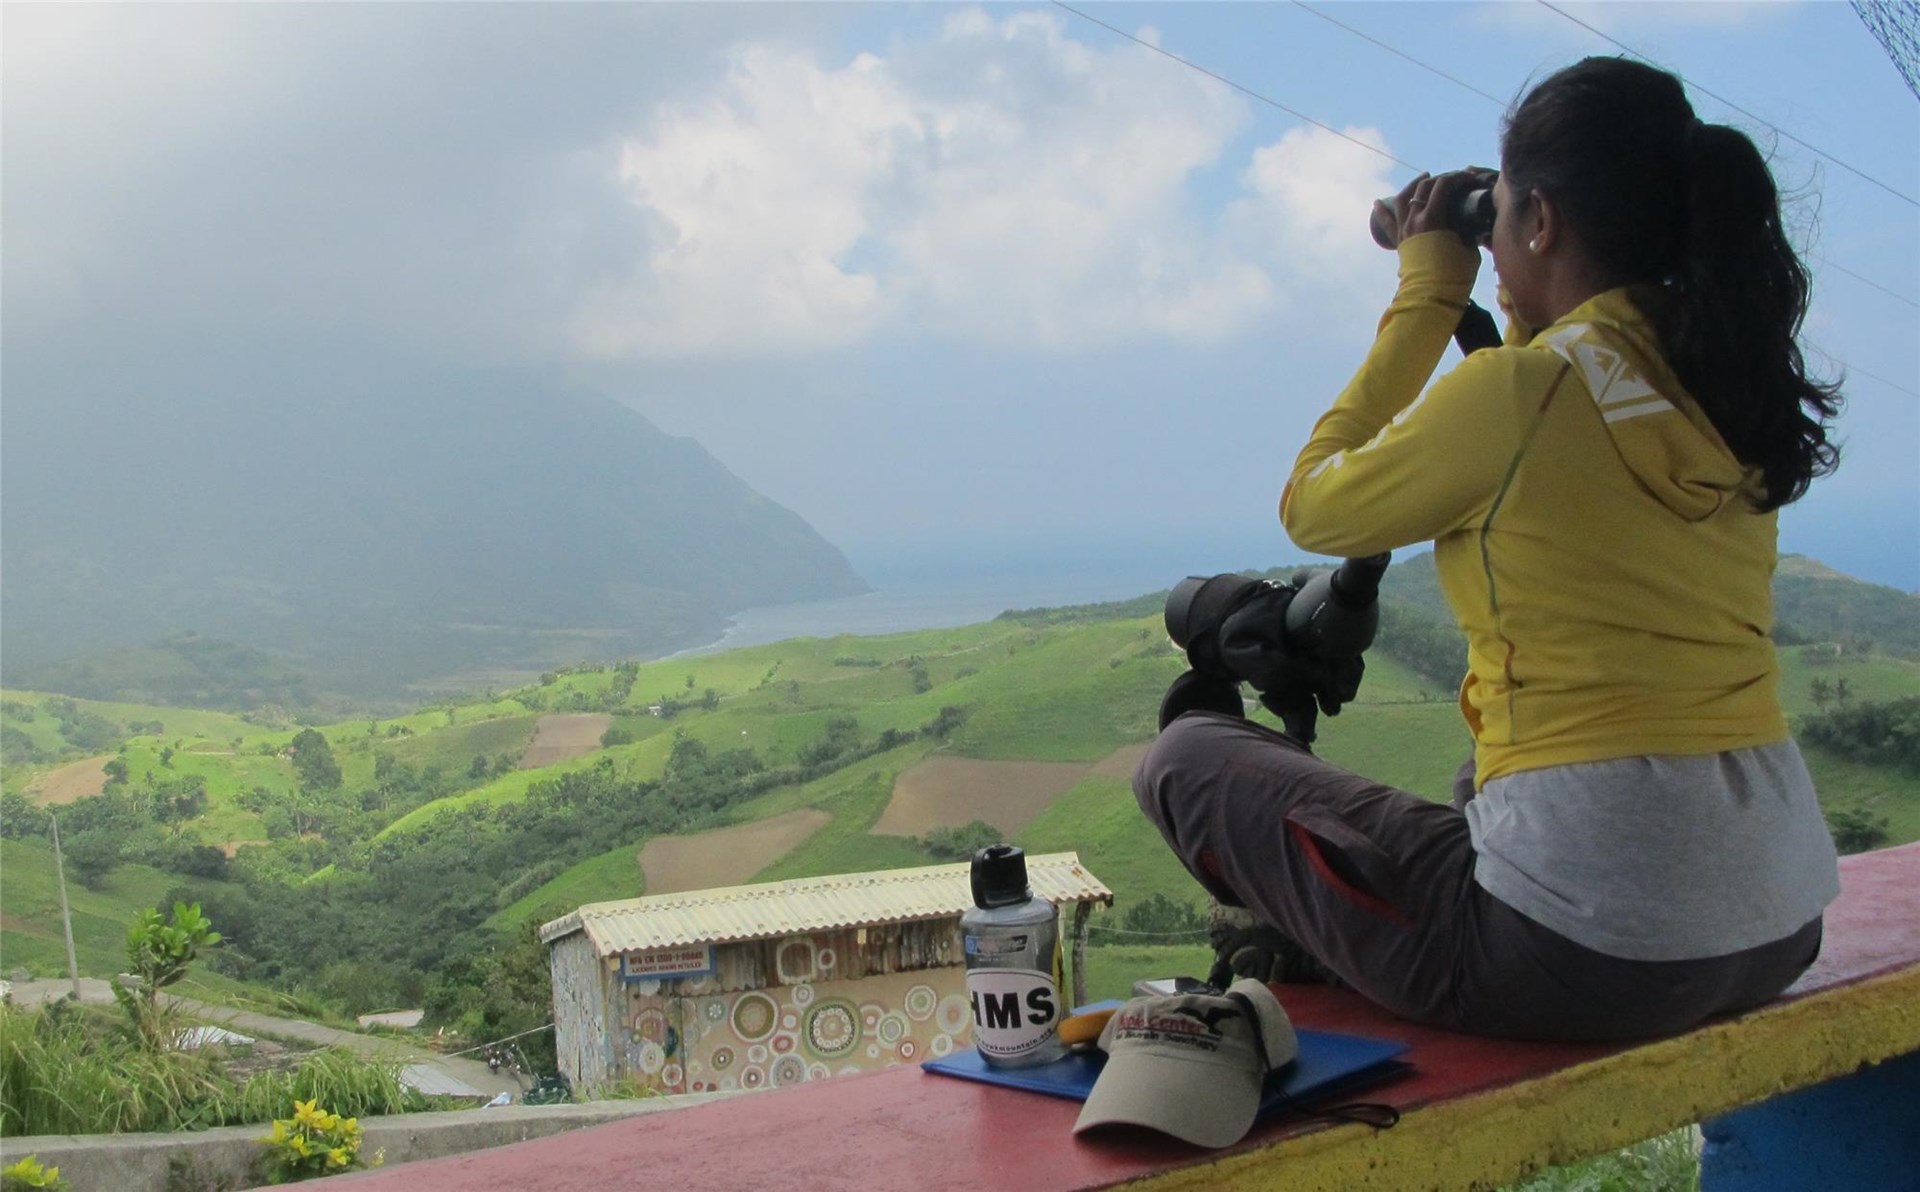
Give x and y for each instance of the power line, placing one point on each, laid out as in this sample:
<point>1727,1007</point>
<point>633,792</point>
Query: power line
<point>1862,278</point>
<point>1298,115</point>
<point>1905,198</point>
<point>1895,294</point>
<point>1494,99</point>
<point>1500,103</point>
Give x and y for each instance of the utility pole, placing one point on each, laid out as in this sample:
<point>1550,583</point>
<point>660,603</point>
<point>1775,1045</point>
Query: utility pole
<point>66,915</point>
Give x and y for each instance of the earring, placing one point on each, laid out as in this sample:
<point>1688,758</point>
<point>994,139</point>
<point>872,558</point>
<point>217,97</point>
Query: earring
<point>1533,245</point>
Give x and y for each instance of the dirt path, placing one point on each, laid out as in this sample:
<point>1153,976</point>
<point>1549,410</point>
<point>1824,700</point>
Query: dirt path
<point>948,792</point>
<point>725,856</point>
<point>564,736</point>
<point>75,780</point>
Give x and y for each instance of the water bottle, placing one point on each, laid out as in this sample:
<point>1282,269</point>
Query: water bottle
<point>1012,945</point>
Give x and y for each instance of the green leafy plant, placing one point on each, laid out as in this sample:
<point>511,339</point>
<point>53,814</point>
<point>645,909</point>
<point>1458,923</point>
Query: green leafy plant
<point>30,1173</point>
<point>313,1143</point>
<point>158,953</point>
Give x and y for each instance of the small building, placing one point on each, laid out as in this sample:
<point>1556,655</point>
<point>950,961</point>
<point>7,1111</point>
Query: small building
<point>774,984</point>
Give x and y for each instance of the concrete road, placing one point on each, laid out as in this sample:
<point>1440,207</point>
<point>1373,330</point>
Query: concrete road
<point>470,1072</point>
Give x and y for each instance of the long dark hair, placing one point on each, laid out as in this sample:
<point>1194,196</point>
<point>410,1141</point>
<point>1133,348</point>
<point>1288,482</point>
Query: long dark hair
<point>1661,198</point>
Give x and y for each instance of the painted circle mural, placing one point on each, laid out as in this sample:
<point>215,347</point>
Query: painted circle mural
<point>825,959</point>
<point>754,1016</point>
<point>782,1043</point>
<point>941,1045</point>
<point>729,1082</point>
<point>920,1002</point>
<point>671,1075</point>
<point>789,1021</point>
<point>908,1049</point>
<point>893,1028</point>
<point>713,1009</point>
<point>803,996</point>
<point>752,1078</point>
<point>651,1058</point>
<point>818,1071</point>
<point>870,1013</point>
<point>651,1024</point>
<point>696,1068</point>
<point>833,1028</point>
<point>873,1051</point>
<point>795,961</point>
<point>953,1015</point>
<point>789,1069</point>
<point>722,1059</point>
<point>757,1054</point>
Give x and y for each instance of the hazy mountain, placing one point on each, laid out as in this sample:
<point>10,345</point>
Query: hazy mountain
<point>371,520</point>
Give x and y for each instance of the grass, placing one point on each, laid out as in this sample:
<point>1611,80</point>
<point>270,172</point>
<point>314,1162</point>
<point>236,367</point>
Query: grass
<point>453,749</point>
<point>1112,970</point>
<point>67,1071</point>
<point>855,797</point>
<point>609,877</point>
<point>30,935</point>
<point>1099,820</point>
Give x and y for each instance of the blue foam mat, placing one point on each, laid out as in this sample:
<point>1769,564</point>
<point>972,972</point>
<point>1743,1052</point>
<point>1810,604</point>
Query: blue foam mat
<point>1328,1063</point>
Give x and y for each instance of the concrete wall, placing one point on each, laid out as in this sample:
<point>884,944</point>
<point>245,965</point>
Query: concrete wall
<point>229,1158</point>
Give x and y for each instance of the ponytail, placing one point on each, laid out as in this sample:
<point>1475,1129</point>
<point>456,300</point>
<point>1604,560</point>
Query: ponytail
<point>1661,199</point>
<point>1732,330</point>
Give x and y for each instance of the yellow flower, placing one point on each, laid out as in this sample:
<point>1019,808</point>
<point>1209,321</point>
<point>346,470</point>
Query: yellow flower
<point>298,1144</point>
<point>337,1157</point>
<point>307,1113</point>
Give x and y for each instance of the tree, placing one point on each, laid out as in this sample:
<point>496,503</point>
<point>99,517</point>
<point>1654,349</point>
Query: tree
<point>959,844</point>
<point>91,855</point>
<point>158,953</point>
<point>20,818</point>
<point>1841,690</point>
<point>1822,693</point>
<point>1157,914</point>
<point>313,761</point>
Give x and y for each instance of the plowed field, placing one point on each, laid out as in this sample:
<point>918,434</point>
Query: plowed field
<point>725,856</point>
<point>564,736</point>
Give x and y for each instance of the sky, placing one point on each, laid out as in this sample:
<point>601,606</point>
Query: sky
<point>972,288</point>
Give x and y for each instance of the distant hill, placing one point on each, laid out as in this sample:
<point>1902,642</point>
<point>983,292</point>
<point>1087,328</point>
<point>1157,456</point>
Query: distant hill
<point>1814,603</point>
<point>370,521</point>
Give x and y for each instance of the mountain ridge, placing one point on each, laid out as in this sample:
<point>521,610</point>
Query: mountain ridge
<point>373,520</point>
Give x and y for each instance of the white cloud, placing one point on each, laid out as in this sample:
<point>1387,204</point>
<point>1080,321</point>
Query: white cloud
<point>1004,184</point>
<point>1309,194</point>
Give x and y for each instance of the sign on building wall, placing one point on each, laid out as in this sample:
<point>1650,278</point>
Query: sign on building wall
<point>691,960</point>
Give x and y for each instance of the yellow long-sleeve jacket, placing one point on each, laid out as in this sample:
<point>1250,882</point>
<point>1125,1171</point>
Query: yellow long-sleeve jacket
<point>1591,530</point>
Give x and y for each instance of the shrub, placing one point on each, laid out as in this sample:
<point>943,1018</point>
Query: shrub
<point>313,1143</point>
<point>1857,830</point>
<point>28,1173</point>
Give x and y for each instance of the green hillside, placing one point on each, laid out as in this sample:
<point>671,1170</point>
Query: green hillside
<point>418,843</point>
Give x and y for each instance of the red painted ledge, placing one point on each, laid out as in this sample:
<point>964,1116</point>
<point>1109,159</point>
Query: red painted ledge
<point>907,1128</point>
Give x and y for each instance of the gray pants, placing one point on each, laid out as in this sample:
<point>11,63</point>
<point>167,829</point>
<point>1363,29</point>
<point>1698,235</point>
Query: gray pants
<point>1378,884</point>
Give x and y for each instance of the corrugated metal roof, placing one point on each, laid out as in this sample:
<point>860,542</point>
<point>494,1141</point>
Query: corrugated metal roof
<point>773,909</point>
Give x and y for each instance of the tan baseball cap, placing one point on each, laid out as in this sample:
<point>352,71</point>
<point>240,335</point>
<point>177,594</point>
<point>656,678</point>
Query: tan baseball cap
<point>1191,1065</point>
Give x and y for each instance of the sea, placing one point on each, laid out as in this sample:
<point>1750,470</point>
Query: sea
<point>907,598</point>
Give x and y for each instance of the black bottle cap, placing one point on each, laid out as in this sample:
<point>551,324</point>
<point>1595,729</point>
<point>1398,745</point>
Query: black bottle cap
<point>1000,877</point>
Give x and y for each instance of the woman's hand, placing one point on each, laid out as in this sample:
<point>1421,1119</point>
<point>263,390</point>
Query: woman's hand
<point>1424,204</point>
